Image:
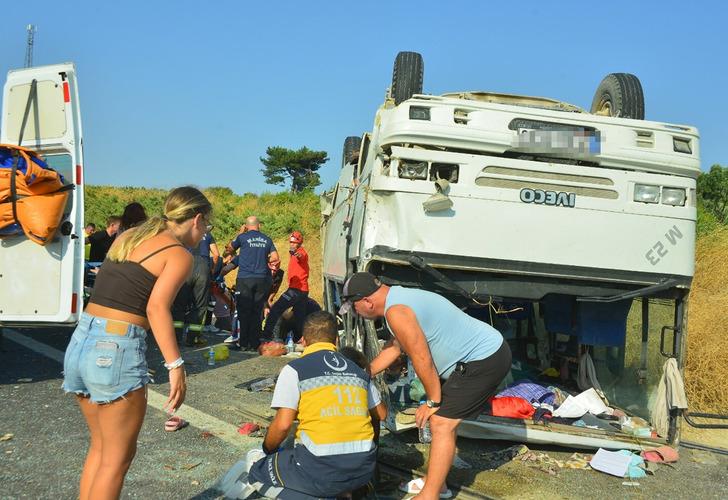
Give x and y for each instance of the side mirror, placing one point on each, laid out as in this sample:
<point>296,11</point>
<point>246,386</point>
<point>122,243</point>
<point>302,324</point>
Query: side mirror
<point>438,201</point>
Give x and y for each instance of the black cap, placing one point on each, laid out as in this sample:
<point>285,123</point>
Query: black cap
<point>358,286</point>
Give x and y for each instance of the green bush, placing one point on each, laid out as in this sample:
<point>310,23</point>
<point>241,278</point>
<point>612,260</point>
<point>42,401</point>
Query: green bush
<point>280,213</point>
<point>706,222</point>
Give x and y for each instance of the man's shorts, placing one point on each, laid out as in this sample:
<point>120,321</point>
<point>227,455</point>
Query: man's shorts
<point>469,387</point>
<point>105,359</point>
<point>297,473</point>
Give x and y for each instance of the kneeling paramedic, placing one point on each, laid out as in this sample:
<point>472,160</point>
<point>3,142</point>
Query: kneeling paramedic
<point>333,400</point>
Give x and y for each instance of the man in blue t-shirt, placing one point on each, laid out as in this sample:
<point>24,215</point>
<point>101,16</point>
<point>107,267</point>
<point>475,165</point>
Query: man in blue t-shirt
<point>254,280</point>
<point>459,360</point>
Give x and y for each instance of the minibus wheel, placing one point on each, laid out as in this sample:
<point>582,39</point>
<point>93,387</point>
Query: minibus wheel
<point>352,144</point>
<point>619,95</point>
<point>407,76</point>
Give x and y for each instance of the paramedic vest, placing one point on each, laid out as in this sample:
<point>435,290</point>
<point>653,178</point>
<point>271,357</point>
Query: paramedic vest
<point>333,410</point>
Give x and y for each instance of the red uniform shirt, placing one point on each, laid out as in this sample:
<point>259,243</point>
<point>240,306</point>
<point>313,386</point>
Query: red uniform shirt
<point>298,270</point>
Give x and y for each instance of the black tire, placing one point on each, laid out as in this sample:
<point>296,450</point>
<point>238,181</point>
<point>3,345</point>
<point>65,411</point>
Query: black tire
<point>352,144</point>
<point>619,95</point>
<point>407,76</point>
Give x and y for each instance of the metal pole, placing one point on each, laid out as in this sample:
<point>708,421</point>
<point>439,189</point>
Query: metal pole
<point>29,46</point>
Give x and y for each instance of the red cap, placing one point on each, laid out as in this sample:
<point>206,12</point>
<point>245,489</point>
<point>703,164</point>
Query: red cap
<point>296,237</point>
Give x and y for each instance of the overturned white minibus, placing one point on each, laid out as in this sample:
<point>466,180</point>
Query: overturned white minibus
<point>572,232</point>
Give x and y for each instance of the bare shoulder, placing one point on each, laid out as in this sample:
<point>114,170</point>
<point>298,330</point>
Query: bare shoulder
<point>399,310</point>
<point>400,315</point>
<point>159,250</point>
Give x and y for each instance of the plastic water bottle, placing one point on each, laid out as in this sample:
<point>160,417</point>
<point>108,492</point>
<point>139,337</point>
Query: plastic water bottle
<point>425,433</point>
<point>289,343</point>
<point>211,357</point>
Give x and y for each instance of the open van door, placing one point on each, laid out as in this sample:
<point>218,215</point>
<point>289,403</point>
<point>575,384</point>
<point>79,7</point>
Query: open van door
<point>43,285</point>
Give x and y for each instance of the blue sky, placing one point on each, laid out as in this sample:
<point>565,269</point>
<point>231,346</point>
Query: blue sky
<point>193,92</point>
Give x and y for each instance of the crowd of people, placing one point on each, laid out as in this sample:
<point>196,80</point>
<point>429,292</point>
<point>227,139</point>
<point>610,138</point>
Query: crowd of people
<point>204,303</point>
<point>164,275</point>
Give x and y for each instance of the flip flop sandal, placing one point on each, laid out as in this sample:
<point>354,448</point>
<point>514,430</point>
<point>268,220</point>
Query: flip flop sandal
<point>174,424</point>
<point>661,455</point>
<point>248,428</point>
<point>415,486</point>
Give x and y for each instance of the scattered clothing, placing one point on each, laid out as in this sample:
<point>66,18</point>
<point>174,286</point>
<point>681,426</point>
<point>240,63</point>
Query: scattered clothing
<point>559,395</point>
<point>531,392</point>
<point>248,428</point>
<point>670,395</point>
<point>663,454</point>
<point>511,407</point>
<point>577,406</point>
<point>550,465</point>
<point>634,470</point>
<point>611,462</point>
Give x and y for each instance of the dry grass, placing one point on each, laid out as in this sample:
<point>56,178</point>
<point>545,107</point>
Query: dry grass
<point>706,368</point>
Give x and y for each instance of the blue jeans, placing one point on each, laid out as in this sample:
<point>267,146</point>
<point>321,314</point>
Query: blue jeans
<point>105,359</point>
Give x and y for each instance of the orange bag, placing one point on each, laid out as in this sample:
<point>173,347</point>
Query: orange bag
<point>39,196</point>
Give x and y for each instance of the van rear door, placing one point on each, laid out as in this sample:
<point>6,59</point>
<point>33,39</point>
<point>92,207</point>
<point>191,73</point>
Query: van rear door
<point>44,284</point>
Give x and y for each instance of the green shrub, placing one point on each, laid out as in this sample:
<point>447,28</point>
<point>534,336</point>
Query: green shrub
<point>280,213</point>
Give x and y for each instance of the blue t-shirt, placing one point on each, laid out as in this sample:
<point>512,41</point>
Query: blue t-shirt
<point>451,334</point>
<point>203,249</point>
<point>255,248</point>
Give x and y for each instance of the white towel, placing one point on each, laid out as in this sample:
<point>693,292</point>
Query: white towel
<point>670,394</point>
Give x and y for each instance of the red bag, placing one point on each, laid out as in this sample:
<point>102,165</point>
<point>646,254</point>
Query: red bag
<point>511,407</point>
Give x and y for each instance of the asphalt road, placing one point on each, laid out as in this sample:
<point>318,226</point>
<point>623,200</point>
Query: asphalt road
<point>44,456</point>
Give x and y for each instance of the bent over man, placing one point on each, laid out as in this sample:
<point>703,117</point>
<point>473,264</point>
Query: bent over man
<point>459,359</point>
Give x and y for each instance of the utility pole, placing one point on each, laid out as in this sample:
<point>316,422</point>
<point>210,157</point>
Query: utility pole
<point>29,47</point>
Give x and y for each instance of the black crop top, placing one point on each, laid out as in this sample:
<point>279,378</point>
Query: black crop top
<point>125,286</point>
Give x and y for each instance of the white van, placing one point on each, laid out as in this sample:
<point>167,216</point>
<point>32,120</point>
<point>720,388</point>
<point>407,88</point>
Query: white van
<point>572,232</point>
<point>43,285</point>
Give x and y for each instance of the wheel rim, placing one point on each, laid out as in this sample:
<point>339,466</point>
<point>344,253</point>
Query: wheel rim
<point>604,108</point>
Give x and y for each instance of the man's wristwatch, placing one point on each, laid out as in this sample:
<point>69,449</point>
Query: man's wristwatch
<point>432,404</point>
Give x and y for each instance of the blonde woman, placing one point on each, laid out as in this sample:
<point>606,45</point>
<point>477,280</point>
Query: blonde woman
<point>105,363</point>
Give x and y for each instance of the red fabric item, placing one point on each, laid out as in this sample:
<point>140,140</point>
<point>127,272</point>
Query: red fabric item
<point>511,407</point>
<point>248,428</point>
<point>298,270</point>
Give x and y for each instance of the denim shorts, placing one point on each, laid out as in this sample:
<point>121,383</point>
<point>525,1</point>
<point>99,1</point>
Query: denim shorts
<point>105,359</point>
